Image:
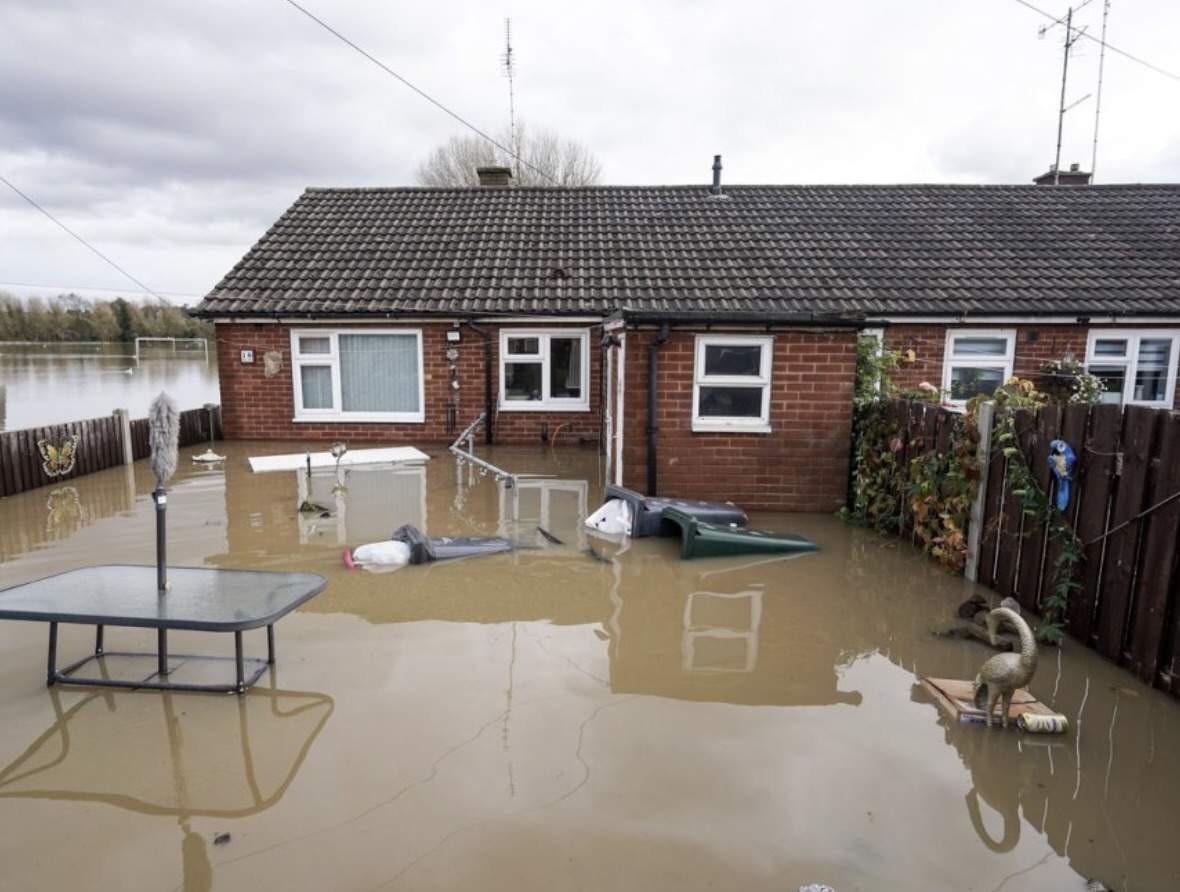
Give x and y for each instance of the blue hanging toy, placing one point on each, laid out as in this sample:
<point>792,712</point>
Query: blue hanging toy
<point>1061,461</point>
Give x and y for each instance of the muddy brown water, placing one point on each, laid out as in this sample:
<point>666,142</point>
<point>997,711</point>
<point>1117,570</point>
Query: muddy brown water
<point>548,720</point>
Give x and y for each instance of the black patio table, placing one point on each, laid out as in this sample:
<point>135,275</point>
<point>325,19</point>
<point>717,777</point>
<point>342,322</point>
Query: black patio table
<point>202,599</point>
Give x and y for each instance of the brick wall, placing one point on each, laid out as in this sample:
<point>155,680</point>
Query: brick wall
<point>256,407</point>
<point>802,465</point>
<point>1035,345</point>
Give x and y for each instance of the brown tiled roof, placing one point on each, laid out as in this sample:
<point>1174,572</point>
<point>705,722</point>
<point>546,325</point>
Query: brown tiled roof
<point>846,250</point>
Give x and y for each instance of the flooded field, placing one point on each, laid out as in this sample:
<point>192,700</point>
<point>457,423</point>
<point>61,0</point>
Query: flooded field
<point>551,718</point>
<point>42,384</point>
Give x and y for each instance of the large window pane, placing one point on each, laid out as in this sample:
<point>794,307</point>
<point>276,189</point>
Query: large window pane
<point>522,381</point>
<point>379,373</point>
<point>733,359</point>
<point>730,402</point>
<point>1151,376</point>
<point>315,381</point>
<point>967,346</point>
<point>969,382</point>
<point>1113,377</point>
<point>565,368</point>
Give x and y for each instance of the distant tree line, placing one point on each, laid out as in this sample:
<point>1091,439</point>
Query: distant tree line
<point>69,317</point>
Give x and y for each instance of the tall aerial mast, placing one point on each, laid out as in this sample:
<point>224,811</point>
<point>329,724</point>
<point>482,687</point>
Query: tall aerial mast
<point>508,67</point>
<point>1072,36</point>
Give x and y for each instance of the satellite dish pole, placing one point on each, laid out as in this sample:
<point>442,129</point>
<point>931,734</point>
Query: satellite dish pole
<point>507,63</point>
<point>1098,97</point>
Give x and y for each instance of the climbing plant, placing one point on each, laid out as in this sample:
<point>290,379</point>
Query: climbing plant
<point>936,489</point>
<point>1037,509</point>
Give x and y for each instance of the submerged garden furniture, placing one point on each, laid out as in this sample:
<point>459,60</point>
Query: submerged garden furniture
<point>201,599</point>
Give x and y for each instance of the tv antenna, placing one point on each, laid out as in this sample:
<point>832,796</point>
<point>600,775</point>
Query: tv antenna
<point>1072,36</point>
<point>508,67</point>
<point>1098,98</point>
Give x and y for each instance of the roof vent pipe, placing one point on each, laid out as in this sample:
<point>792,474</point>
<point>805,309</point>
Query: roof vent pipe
<point>716,187</point>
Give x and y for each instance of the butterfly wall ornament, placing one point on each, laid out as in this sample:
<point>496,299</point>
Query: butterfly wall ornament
<point>58,461</point>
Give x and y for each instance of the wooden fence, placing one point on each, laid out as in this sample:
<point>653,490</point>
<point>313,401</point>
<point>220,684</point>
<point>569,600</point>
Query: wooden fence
<point>100,446</point>
<point>1124,507</point>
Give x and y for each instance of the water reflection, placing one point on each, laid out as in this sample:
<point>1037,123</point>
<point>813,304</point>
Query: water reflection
<point>107,748</point>
<point>760,634</point>
<point>185,762</point>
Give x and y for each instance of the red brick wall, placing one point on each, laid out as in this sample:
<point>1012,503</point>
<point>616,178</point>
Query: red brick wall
<point>802,465</point>
<point>1035,345</point>
<point>257,407</point>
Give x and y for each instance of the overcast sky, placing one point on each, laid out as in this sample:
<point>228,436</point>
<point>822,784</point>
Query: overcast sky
<point>171,134</point>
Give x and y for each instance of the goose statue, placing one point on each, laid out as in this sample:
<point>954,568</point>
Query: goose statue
<point>1000,677</point>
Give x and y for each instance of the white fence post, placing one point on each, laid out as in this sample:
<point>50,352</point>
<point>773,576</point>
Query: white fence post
<point>983,420</point>
<point>123,420</point>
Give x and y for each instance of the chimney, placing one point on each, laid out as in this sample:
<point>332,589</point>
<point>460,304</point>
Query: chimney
<point>716,187</point>
<point>494,176</point>
<point>1075,176</point>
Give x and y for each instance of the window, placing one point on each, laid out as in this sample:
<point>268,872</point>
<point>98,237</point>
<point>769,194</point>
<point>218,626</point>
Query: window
<point>545,370</point>
<point>1137,367</point>
<point>357,375</point>
<point>976,362</point>
<point>731,383</point>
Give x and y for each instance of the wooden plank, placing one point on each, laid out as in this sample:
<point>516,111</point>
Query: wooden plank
<point>1074,420</point>
<point>1096,483</point>
<point>991,515</point>
<point>1009,540</point>
<point>1150,611</point>
<point>12,441</point>
<point>1118,573</point>
<point>7,486</point>
<point>1029,577</point>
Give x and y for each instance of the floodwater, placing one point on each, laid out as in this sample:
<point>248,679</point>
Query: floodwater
<point>43,384</point>
<point>551,720</point>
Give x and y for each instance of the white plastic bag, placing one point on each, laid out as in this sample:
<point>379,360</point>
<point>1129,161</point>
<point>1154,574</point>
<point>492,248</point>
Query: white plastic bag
<point>612,520</point>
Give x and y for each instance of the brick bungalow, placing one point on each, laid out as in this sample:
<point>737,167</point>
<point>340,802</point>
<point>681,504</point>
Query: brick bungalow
<point>396,315</point>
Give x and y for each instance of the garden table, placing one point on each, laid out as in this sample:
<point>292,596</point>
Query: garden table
<point>201,599</point>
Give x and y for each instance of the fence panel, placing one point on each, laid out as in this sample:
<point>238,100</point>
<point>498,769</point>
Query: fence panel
<point>1123,543</point>
<point>1096,467</point>
<point>100,446</point>
<point>1159,550</point>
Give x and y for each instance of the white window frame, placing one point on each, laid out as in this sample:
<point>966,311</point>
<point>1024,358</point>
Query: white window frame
<point>332,359</point>
<point>547,403</point>
<point>1130,362</point>
<point>950,362</point>
<point>713,423</point>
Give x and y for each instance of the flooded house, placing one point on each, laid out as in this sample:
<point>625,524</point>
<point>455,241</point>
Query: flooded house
<point>703,337</point>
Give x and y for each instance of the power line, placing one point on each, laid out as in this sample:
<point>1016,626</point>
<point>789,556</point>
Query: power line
<point>49,287</point>
<point>79,238</point>
<point>422,93</point>
<point>1113,49</point>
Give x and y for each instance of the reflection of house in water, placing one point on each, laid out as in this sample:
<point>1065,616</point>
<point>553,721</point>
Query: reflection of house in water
<point>746,645</point>
<point>558,506</point>
<point>367,504</point>
<point>186,761</point>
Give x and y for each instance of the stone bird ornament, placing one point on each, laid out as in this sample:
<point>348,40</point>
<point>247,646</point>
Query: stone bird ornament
<point>1000,677</point>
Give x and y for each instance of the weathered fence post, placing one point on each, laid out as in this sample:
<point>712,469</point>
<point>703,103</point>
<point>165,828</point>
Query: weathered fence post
<point>123,423</point>
<point>983,419</point>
